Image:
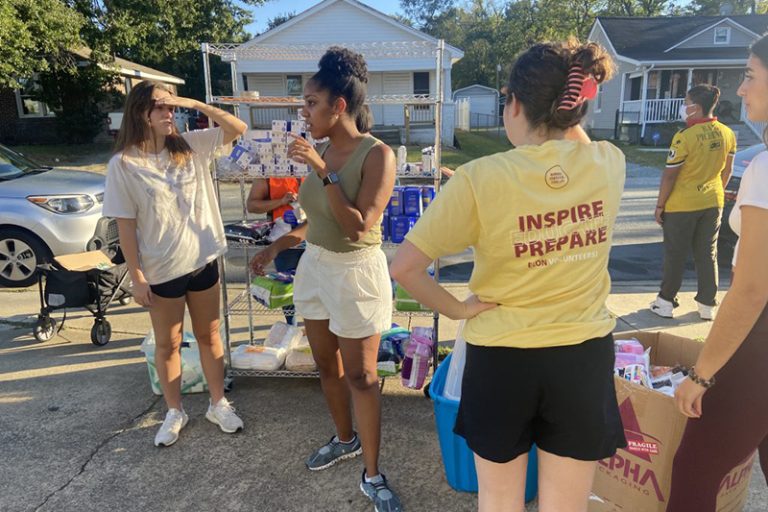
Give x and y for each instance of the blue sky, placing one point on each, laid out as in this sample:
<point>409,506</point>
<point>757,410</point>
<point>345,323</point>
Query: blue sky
<point>273,8</point>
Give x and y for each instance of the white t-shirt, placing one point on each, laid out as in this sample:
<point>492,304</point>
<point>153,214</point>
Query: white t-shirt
<point>753,191</point>
<point>179,226</point>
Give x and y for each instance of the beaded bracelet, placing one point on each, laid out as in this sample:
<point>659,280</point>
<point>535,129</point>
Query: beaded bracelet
<point>706,384</point>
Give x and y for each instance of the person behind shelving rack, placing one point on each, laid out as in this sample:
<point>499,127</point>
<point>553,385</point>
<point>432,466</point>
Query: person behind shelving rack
<point>540,218</point>
<point>342,288</point>
<point>691,198</point>
<point>273,196</point>
<point>160,189</point>
<point>726,396</point>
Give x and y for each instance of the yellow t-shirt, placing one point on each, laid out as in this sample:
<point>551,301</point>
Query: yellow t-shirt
<point>540,220</point>
<point>702,149</point>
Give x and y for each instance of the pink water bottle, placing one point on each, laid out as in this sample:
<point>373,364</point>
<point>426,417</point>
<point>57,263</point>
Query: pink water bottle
<point>418,355</point>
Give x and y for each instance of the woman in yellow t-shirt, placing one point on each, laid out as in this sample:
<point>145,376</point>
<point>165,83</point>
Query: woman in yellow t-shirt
<point>540,218</point>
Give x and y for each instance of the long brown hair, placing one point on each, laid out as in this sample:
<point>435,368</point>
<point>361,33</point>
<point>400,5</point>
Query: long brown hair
<point>135,130</point>
<point>540,75</point>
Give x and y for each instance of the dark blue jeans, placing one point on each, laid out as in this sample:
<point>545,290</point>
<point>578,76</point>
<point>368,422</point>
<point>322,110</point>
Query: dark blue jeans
<point>287,261</point>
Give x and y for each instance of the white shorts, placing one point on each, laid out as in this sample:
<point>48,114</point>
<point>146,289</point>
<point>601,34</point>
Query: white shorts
<point>352,290</point>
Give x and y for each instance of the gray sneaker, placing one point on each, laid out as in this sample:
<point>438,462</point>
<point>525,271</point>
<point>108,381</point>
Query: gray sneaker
<point>384,499</point>
<point>334,452</point>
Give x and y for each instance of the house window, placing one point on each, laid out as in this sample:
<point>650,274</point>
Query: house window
<point>722,35</point>
<point>293,85</point>
<point>27,105</point>
<point>421,83</point>
<point>599,99</point>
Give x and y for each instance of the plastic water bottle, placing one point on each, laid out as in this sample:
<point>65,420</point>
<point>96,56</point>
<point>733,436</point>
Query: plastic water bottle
<point>402,157</point>
<point>418,355</point>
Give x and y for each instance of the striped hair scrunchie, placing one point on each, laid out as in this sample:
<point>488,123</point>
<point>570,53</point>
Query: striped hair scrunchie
<point>579,87</point>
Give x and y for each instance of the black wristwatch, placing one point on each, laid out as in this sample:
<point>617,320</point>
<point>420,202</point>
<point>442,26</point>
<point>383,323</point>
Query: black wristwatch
<point>330,179</point>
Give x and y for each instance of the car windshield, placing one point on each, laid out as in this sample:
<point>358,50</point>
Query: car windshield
<point>14,165</point>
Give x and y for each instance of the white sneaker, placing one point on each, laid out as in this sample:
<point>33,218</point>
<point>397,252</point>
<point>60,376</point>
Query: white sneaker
<point>223,415</point>
<point>706,312</point>
<point>662,307</point>
<point>175,420</point>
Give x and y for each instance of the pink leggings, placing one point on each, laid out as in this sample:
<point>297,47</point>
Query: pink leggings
<point>734,422</point>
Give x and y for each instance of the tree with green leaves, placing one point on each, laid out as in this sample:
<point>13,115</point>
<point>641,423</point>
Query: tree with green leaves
<point>713,7</point>
<point>280,19</point>
<point>166,35</point>
<point>34,37</point>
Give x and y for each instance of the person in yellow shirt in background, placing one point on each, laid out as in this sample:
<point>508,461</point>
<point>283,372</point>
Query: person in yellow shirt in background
<point>540,218</point>
<point>691,198</point>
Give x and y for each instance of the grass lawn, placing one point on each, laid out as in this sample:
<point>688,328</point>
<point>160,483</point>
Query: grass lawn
<point>62,154</point>
<point>473,145</point>
<point>636,155</point>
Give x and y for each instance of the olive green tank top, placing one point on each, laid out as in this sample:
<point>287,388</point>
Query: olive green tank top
<point>323,229</point>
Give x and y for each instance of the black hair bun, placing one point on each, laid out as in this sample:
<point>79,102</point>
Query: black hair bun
<point>344,62</point>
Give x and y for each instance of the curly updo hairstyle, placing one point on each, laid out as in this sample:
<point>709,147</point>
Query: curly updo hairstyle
<point>344,74</point>
<point>539,75</point>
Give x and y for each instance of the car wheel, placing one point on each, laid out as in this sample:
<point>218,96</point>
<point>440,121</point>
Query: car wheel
<point>20,254</point>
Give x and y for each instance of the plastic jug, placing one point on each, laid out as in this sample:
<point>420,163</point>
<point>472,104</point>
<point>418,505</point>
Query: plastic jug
<point>418,355</point>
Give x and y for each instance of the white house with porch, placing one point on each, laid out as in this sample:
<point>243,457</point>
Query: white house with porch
<point>659,59</point>
<point>349,22</point>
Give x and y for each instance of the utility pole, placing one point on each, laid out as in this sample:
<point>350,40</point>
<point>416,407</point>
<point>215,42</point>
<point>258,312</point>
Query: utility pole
<point>498,97</point>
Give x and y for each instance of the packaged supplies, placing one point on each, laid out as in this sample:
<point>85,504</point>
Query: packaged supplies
<point>399,227</point>
<point>280,228</point>
<point>192,377</point>
<point>273,290</point>
<point>272,354</point>
<point>248,232</point>
<point>240,156</point>
<point>412,201</point>
<point>300,358</point>
<point>390,355</point>
<point>395,206</point>
<point>427,196</point>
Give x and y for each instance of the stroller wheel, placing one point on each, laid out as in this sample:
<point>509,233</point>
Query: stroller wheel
<point>44,329</point>
<point>101,332</point>
<point>125,300</point>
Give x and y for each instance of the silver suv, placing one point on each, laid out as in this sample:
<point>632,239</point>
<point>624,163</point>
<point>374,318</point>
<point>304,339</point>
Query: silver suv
<point>46,212</point>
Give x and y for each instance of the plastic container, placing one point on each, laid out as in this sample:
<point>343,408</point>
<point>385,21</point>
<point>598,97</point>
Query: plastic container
<point>399,225</point>
<point>427,195</point>
<point>402,156</point>
<point>412,201</point>
<point>458,460</point>
<point>455,373</point>
<point>418,355</point>
<point>395,206</point>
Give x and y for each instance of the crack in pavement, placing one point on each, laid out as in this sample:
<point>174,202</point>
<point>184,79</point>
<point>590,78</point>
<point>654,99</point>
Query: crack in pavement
<point>96,450</point>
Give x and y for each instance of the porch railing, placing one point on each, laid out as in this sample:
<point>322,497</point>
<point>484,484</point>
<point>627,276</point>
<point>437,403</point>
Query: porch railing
<point>656,111</point>
<point>756,127</point>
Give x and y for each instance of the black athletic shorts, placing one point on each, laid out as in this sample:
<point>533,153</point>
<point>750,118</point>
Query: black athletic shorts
<point>196,281</point>
<point>561,398</point>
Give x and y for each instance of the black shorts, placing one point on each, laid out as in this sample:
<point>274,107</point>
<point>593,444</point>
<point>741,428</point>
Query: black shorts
<point>561,398</point>
<point>197,281</point>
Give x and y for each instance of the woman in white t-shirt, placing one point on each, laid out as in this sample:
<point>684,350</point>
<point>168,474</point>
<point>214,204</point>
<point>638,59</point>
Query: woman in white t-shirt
<point>729,418</point>
<point>159,188</point>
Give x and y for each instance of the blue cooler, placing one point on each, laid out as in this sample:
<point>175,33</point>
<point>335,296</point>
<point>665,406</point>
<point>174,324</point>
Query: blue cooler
<point>458,459</point>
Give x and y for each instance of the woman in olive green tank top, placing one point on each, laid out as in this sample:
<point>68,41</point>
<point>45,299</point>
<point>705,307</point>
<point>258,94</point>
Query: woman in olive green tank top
<point>342,287</point>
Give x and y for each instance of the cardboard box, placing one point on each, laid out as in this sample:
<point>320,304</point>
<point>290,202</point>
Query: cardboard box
<point>83,261</point>
<point>638,478</point>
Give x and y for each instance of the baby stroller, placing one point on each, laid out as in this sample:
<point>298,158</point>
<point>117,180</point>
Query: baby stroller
<point>93,289</point>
